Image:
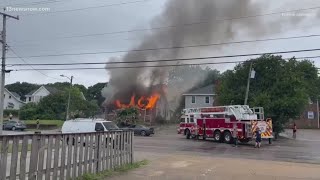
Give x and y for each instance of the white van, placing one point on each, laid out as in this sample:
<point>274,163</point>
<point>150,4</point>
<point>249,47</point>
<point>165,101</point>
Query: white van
<point>84,125</point>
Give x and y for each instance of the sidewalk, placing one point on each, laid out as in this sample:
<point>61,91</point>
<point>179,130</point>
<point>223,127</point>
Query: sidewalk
<point>184,167</point>
<point>303,134</point>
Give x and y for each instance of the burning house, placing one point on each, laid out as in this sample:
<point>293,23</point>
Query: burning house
<point>152,102</point>
<point>185,23</point>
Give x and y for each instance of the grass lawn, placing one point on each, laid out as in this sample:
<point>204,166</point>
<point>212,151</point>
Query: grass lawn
<point>58,123</point>
<point>116,171</point>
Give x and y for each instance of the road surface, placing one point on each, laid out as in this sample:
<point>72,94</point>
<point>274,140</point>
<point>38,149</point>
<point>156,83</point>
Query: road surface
<point>174,157</point>
<point>284,149</point>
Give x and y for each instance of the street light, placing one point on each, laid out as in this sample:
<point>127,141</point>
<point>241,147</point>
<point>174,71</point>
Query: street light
<point>68,105</point>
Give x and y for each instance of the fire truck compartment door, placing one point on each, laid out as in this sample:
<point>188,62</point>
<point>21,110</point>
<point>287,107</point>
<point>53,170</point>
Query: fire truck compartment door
<point>265,128</point>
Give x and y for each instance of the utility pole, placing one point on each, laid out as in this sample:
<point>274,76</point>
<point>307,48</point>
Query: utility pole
<point>68,106</point>
<point>248,85</point>
<point>3,65</point>
<point>318,112</point>
<point>69,97</point>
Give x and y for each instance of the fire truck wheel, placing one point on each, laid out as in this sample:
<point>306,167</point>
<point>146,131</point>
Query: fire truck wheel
<point>188,134</point>
<point>227,137</point>
<point>217,136</point>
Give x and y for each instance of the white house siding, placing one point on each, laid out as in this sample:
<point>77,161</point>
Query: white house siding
<point>38,95</point>
<point>10,102</point>
<point>200,101</point>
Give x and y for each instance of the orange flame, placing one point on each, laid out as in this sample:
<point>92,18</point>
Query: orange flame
<point>143,102</point>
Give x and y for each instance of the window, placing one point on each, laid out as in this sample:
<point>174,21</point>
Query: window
<point>10,105</point>
<point>182,120</point>
<point>99,127</point>
<point>191,118</point>
<point>193,99</point>
<point>29,99</point>
<point>207,99</point>
<point>110,125</point>
<point>9,97</point>
<point>310,115</point>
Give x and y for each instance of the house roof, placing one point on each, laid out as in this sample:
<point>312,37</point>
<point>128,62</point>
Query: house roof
<point>51,90</point>
<point>15,97</point>
<point>31,92</point>
<point>207,90</point>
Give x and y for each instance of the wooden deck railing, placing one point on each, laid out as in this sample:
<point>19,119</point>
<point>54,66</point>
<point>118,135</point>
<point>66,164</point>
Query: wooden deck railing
<point>63,156</point>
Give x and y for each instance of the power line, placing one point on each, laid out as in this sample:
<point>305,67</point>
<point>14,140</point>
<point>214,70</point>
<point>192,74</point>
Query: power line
<point>86,8</point>
<point>30,65</point>
<point>167,65</point>
<point>173,47</point>
<point>148,66</point>
<point>168,27</point>
<point>105,63</point>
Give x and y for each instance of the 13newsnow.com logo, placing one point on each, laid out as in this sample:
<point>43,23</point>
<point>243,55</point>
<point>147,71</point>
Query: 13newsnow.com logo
<point>26,9</point>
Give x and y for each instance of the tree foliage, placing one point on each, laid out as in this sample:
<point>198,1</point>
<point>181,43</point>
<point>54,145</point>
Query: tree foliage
<point>22,88</point>
<point>94,93</point>
<point>128,115</point>
<point>54,106</point>
<point>281,86</point>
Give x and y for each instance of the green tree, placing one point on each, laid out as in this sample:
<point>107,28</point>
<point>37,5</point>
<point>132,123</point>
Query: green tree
<point>22,88</point>
<point>54,106</point>
<point>94,93</point>
<point>127,114</point>
<point>281,87</point>
<point>64,86</point>
<point>28,111</point>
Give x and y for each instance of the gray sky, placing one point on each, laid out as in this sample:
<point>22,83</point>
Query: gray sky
<point>39,35</point>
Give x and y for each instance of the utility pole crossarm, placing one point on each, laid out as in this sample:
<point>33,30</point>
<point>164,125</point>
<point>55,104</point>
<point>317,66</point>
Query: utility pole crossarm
<point>3,64</point>
<point>13,17</point>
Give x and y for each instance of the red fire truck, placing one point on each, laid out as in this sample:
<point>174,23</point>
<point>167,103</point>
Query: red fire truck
<point>218,123</point>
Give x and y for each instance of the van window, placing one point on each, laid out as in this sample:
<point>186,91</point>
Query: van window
<point>99,127</point>
<point>110,125</point>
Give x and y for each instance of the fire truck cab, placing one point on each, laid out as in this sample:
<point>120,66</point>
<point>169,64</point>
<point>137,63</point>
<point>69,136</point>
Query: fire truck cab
<point>219,122</point>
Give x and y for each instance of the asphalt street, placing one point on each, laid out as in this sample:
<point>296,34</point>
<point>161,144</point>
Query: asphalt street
<point>284,149</point>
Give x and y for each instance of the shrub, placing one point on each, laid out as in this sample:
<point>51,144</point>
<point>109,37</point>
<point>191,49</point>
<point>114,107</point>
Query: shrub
<point>7,112</point>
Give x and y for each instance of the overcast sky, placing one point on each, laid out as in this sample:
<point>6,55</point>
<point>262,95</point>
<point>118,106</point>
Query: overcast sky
<point>44,34</point>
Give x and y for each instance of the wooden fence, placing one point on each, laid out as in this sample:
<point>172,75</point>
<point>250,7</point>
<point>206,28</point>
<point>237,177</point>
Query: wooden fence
<point>63,156</point>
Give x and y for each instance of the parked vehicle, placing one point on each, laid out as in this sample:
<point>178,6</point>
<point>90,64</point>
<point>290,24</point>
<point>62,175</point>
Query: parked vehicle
<point>14,125</point>
<point>217,123</point>
<point>86,125</point>
<point>140,129</point>
<point>83,125</point>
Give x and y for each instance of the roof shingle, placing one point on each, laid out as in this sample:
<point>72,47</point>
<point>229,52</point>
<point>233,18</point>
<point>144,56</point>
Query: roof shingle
<point>207,90</point>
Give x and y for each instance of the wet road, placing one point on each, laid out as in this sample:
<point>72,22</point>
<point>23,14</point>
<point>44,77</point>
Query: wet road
<point>281,150</point>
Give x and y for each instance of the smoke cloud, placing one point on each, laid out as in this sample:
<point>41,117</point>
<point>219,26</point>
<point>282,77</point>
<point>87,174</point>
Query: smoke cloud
<point>193,22</point>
